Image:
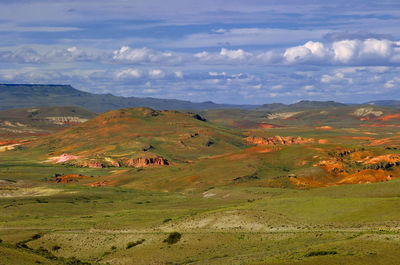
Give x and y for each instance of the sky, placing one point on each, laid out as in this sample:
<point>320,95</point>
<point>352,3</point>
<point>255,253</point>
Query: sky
<point>236,51</point>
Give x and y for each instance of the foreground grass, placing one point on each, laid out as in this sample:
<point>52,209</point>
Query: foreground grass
<point>352,224</point>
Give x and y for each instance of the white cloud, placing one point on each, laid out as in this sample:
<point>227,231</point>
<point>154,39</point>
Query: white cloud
<point>378,48</point>
<point>332,78</point>
<point>128,73</point>
<point>217,74</point>
<point>311,51</point>
<point>178,74</point>
<point>297,54</point>
<point>390,84</point>
<point>277,87</point>
<point>156,73</point>
<point>225,56</point>
<point>143,55</point>
<point>235,54</point>
<point>360,53</point>
<point>309,87</point>
<point>201,55</point>
<point>345,50</point>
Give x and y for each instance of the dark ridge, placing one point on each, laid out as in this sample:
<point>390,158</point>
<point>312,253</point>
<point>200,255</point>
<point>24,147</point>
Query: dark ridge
<point>31,95</point>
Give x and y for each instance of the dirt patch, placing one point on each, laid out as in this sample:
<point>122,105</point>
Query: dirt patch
<point>323,141</point>
<point>268,126</point>
<point>102,183</point>
<point>324,128</point>
<point>68,178</point>
<point>366,176</point>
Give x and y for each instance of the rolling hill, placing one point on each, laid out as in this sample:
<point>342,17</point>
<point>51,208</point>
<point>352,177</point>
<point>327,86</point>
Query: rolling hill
<point>129,137</point>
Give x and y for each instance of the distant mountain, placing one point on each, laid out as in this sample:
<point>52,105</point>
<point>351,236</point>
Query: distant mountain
<point>307,104</point>
<point>304,104</point>
<point>385,103</point>
<point>272,106</point>
<point>28,96</point>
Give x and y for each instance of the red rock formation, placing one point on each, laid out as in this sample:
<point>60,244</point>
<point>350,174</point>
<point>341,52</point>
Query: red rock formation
<point>91,164</point>
<point>115,164</point>
<point>146,161</point>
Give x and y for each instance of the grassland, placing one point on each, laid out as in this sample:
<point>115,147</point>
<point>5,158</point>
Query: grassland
<point>230,225</point>
<point>231,202</point>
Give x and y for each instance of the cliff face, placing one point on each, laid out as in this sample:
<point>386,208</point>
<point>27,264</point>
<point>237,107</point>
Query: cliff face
<point>284,140</point>
<point>146,161</point>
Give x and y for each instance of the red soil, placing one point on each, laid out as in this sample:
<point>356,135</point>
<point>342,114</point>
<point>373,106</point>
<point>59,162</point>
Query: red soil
<point>325,128</point>
<point>267,126</point>
<point>69,178</point>
<point>389,117</point>
<point>102,183</point>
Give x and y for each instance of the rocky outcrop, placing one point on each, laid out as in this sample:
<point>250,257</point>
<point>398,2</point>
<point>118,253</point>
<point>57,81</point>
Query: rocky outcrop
<point>62,158</point>
<point>363,112</point>
<point>146,161</point>
<point>91,164</point>
<point>282,115</point>
<point>275,140</point>
<point>66,120</point>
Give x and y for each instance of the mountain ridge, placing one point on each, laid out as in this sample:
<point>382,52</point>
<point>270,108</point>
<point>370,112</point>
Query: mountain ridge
<point>46,95</point>
<point>33,95</point>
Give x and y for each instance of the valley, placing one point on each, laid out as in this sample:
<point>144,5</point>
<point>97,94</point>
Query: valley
<point>293,185</point>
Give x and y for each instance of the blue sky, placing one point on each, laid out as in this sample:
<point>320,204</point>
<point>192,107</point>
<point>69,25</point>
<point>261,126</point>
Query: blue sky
<point>251,51</point>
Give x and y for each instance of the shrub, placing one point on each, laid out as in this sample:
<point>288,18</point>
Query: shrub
<point>167,220</point>
<point>56,247</point>
<point>173,238</point>
<point>132,244</point>
<point>321,253</point>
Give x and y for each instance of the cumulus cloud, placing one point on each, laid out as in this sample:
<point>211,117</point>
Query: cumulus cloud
<point>128,73</point>
<point>225,56</point>
<point>235,54</point>
<point>368,52</point>
<point>143,55</point>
